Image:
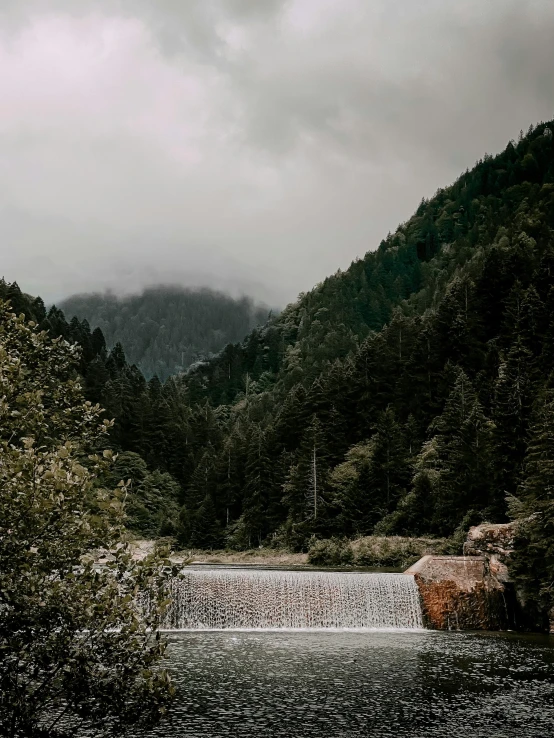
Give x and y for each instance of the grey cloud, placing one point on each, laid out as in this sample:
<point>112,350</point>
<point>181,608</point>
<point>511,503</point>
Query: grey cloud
<point>255,145</point>
<point>181,26</point>
<point>475,74</point>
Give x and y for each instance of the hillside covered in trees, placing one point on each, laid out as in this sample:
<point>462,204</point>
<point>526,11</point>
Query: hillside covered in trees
<point>411,394</point>
<point>399,396</point>
<point>165,329</point>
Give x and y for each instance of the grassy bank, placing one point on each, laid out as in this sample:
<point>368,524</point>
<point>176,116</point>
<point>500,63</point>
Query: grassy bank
<point>395,552</point>
<point>267,556</point>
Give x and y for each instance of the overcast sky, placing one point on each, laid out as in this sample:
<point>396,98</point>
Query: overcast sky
<point>253,145</point>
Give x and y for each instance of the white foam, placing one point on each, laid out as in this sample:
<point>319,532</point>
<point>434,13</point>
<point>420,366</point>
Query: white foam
<point>269,600</point>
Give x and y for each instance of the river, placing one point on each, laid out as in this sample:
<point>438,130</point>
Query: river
<point>421,684</point>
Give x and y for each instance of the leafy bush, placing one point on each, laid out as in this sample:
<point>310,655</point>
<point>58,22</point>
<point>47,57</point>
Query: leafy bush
<point>331,552</point>
<point>74,651</point>
<point>393,552</point>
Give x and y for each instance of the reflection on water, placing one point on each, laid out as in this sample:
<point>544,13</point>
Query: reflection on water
<point>345,685</point>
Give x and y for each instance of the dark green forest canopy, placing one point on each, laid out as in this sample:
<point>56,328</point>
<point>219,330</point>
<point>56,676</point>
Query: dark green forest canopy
<point>395,397</point>
<point>166,329</point>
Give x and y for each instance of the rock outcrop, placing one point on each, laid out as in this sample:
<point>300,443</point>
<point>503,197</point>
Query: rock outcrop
<point>460,593</point>
<point>474,591</point>
<point>495,542</point>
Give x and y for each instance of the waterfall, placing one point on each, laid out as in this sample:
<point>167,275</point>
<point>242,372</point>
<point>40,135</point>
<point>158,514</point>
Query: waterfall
<point>235,599</point>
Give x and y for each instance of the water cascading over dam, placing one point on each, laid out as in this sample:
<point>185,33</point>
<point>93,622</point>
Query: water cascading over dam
<point>236,599</point>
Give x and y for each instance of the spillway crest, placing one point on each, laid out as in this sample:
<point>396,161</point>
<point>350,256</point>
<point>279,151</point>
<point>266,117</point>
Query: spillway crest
<point>221,599</point>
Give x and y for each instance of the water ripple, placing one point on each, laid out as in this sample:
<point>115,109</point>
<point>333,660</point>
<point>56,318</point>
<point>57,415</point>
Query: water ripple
<point>348,685</point>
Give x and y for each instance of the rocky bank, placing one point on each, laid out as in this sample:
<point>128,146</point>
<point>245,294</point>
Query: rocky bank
<point>473,591</point>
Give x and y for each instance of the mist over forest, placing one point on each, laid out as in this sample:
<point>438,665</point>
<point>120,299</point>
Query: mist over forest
<point>165,329</point>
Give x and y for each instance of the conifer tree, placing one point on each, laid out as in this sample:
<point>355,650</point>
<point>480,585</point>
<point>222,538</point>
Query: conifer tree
<point>183,532</point>
<point>457,326</point>
<point>291,418</point>
<point>351,492</point>
<point>98,343</point>
<point>257,491</point>
<point>203,480</point>
<point>39,310</point>
<point>231,467</point>
<point>389,470</point>
<point>116,359</point>
<point>462,446</point>
<point>206,530</point>
<point>530,327</point>
<point>306,484</point>
<point>533,560</point>
<point>513,397</point>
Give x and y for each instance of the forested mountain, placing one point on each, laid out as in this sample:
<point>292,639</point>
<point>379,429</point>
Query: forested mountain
<point>411,394</point>
<point>165,329</point>
<point>395,397</point>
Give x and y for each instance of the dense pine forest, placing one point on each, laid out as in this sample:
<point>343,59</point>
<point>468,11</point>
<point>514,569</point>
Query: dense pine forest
<point>166,329</point>
<point>411,394</point>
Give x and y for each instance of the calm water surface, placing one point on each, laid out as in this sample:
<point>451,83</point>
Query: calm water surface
<point>347,684</point>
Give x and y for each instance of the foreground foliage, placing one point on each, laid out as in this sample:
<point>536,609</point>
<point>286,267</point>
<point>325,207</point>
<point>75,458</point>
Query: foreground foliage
<point>73,653</point>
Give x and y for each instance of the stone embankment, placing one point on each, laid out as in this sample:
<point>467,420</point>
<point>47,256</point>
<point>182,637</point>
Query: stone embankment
<point>470,592</point>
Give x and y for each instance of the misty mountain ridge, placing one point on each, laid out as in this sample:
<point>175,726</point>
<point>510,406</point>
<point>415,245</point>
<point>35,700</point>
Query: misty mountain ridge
<point>167,328</point>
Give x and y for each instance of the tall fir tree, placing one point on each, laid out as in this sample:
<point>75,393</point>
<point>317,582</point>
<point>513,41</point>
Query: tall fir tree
<point>461,459</point>
<point>532,564</point>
